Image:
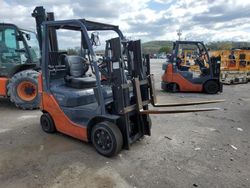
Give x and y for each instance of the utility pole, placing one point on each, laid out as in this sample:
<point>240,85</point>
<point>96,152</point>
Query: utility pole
<point>179,33</point>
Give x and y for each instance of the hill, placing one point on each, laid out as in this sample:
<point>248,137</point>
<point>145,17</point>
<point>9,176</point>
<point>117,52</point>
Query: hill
<point>154,47</point>
<point>226,45</point>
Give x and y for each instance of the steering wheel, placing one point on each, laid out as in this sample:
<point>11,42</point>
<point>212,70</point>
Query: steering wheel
<point>200,62</point>
<point>103,69</point>
<point>86,64</point>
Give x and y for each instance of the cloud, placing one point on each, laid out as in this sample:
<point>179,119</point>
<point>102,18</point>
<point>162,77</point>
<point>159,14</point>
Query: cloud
<point>211,20</point>
<point>205,20</point>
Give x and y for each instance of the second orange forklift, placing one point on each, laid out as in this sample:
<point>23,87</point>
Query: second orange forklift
<point>177,77</point>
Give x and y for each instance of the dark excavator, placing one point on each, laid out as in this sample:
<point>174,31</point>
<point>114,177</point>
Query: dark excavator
<point>20,63</point>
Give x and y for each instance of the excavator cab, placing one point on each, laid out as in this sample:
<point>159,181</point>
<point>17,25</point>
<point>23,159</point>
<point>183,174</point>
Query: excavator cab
<point>178,76</point>
<point>18,48</point>
<point>20,59</point>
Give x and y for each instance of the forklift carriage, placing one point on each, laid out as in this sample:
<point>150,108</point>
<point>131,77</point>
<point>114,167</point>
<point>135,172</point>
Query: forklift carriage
<point>111,113</point>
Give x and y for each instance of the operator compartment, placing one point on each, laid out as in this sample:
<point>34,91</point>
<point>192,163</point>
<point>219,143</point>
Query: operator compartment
<point>74,89</point>
<point>70,84</point>
<point>72,80</point>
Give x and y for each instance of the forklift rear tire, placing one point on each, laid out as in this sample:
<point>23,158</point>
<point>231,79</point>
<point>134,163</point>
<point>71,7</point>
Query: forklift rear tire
<point>47,123</point>
<point>107,138</point>
<point>211,87</point>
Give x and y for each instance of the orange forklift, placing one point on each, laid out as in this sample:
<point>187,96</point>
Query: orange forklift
<point>111,114</point>
<point>178,77</point>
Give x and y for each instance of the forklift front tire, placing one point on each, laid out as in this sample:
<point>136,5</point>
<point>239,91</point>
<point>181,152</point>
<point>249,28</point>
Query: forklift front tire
<point>211,87</point>
<point>47,123</point>
<point>107,138</point>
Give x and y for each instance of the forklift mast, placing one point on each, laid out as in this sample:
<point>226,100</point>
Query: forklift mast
<point>40,16</point>
<point>124,96</point>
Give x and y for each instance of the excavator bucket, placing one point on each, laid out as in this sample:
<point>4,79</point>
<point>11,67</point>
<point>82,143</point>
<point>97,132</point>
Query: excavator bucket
<point>153,100</point>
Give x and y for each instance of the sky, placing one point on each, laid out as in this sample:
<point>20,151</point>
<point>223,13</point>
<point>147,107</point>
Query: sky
<point>205,20</point>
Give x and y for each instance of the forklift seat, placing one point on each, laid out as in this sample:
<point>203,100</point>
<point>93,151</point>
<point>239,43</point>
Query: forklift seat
<point>76,72</point>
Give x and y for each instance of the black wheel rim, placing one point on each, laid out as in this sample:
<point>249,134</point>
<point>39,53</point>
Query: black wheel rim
<point>45,124</point>
<point>103,140</point>
<point>212,87</point>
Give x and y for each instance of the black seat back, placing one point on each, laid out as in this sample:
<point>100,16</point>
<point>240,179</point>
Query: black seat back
<point>76,72</point>
<point>76,66</point>
<point>204,70</point>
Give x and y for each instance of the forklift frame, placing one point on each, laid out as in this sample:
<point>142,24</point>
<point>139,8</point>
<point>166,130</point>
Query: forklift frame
<point>131,93</point>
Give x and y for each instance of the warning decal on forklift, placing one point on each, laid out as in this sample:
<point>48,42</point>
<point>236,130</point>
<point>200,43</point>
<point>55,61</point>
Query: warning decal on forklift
<point>116,65</point>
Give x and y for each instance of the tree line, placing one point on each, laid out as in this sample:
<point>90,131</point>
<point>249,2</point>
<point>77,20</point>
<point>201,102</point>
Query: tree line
<point>154,47</point>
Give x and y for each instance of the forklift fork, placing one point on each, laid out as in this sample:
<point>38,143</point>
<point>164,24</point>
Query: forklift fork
<point>154,103</point>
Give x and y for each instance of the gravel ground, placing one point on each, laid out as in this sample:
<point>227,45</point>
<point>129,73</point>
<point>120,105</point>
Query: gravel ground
<point>209,149</point>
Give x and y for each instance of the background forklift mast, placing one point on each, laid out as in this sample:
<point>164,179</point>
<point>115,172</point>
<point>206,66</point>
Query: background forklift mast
<point>20,63</point>
<point>178,77</point>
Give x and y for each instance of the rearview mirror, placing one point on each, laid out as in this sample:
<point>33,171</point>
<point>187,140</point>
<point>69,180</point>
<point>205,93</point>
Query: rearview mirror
<point>19,38</point>
<point>95,39</point>
<point>27,36</point>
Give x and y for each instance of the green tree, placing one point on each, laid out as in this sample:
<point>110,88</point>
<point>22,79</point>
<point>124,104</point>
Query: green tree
<point>71,51</point>
<point>225,46</point>
<point>165,49</point>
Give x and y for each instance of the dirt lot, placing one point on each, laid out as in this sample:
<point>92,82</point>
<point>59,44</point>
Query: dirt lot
<point>210,149</point>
